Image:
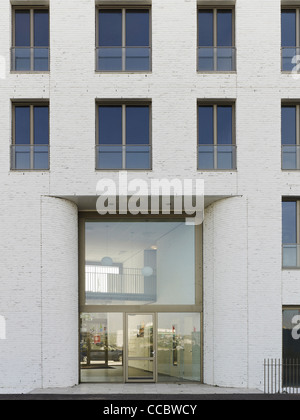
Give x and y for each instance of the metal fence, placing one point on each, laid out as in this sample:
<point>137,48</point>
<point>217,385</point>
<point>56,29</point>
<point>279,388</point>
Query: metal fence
<point>282,376</point>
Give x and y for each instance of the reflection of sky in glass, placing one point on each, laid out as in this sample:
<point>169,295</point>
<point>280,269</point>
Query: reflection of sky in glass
<point>288,28</point>
<point>289,222</point>
<point>288,125</point>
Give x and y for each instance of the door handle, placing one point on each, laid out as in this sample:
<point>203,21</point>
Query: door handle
<point>153,353</point>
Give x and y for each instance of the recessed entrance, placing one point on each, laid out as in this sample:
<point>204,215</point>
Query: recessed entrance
<point>140,300</point>
<point>140,347</point>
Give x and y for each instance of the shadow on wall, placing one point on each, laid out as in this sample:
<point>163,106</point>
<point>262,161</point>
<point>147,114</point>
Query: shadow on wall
<point>2,328</point>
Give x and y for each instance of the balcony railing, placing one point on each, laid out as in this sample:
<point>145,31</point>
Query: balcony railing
<point>30,59</point>
<point>130,284</point>
<point>291,157</point>
<point>291,255</point>
<point>118,157</point>
<point>289,58</point>
<point>28,157</point>
<point>212,157</point>
<point>216,59</point>
<point>123,59</point>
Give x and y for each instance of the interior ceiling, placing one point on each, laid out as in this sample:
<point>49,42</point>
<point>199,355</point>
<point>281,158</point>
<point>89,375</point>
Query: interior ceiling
<point>121,241</point>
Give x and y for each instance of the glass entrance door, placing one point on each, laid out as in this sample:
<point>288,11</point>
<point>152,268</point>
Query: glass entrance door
<point>141,348</point>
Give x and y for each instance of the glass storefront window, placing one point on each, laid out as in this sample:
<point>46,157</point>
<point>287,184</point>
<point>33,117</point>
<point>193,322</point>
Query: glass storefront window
<point>101,347</point>
<point>178,347</point>
<point>139,263</point>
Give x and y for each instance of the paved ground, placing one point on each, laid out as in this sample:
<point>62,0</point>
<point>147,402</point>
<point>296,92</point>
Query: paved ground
<point>145,392</point>
<point>153,389</point>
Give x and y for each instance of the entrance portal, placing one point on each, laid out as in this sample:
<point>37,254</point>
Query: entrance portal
<point>140,347</point>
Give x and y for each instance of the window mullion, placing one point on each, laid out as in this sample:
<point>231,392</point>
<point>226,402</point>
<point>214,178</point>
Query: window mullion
<point>123,39</point>
<point>215,29</point>
<point>297,29</point>
<point>32,39</point>
<point>31,137</point>
<point>124,136</point>
<point>215,136</point>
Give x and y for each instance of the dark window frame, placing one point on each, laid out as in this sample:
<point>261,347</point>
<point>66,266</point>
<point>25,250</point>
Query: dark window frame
<point>31,105</point>
<point>124,104</point>
<point>214,10</point>
<point>31,9</point>
<point>123,9</point>
<point>215,105</point>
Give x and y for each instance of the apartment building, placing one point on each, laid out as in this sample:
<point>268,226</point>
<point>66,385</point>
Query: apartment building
<point>174,89</point>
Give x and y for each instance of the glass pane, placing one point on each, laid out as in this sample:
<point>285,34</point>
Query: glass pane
<point>41,125</point>
<point>288,125</point>
<point>225,59</point>
<point>22,157</point>
<point>206,124</point>
<point>110,28</point>
<point>137,59</point>
<point>179,347</point>
<point>21,59</point>
<point>224,125</point>
<point>205,28</point>
<point>41,59</point>
<point>225,157</point>
<point>41,157</point>
<point>41,28</point>
<point>288,28</point>
<point>206,157</point>
<point>101,347</point>
<point>22,28</point>
<point>206,59</point>
<point>139,263</point>
<point>289,157</point>
<point>140,370</point>
<point>109,157</point>
<point>290,256</point>
<point>138,157</point>
<point>137,28</point>
<point>288,55</point>
<point>22,125</point>
<point>140,336</point>
<point>110,125</point>
<point>289,222</point>
<point>137,125</point>
<point>109,59</point>
<point>224,28</point>
<point>291,347</point>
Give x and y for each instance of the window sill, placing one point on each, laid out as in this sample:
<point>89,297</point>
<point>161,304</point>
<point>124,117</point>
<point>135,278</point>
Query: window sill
<point>29,72</point>
<point>216,72</point>
<point>123,170</point>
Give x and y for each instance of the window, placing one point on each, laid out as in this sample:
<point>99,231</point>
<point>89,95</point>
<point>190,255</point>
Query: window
<point>290,137</point>
<point>139,262</point>
<point>123,137</point>
<point>291,234</point>
<point>290,37</point>
<point>291,347</point>
<point>30,142</point>
<point>30,49</point>
<point>123,40</point>
<point>216,50</point>
<point>216,148</point>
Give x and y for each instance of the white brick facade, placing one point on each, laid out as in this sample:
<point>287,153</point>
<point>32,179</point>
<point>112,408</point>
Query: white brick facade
<point>244,284</point>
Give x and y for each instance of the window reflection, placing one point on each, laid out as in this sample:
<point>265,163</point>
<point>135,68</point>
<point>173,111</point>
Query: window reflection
<point>139,263</point>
